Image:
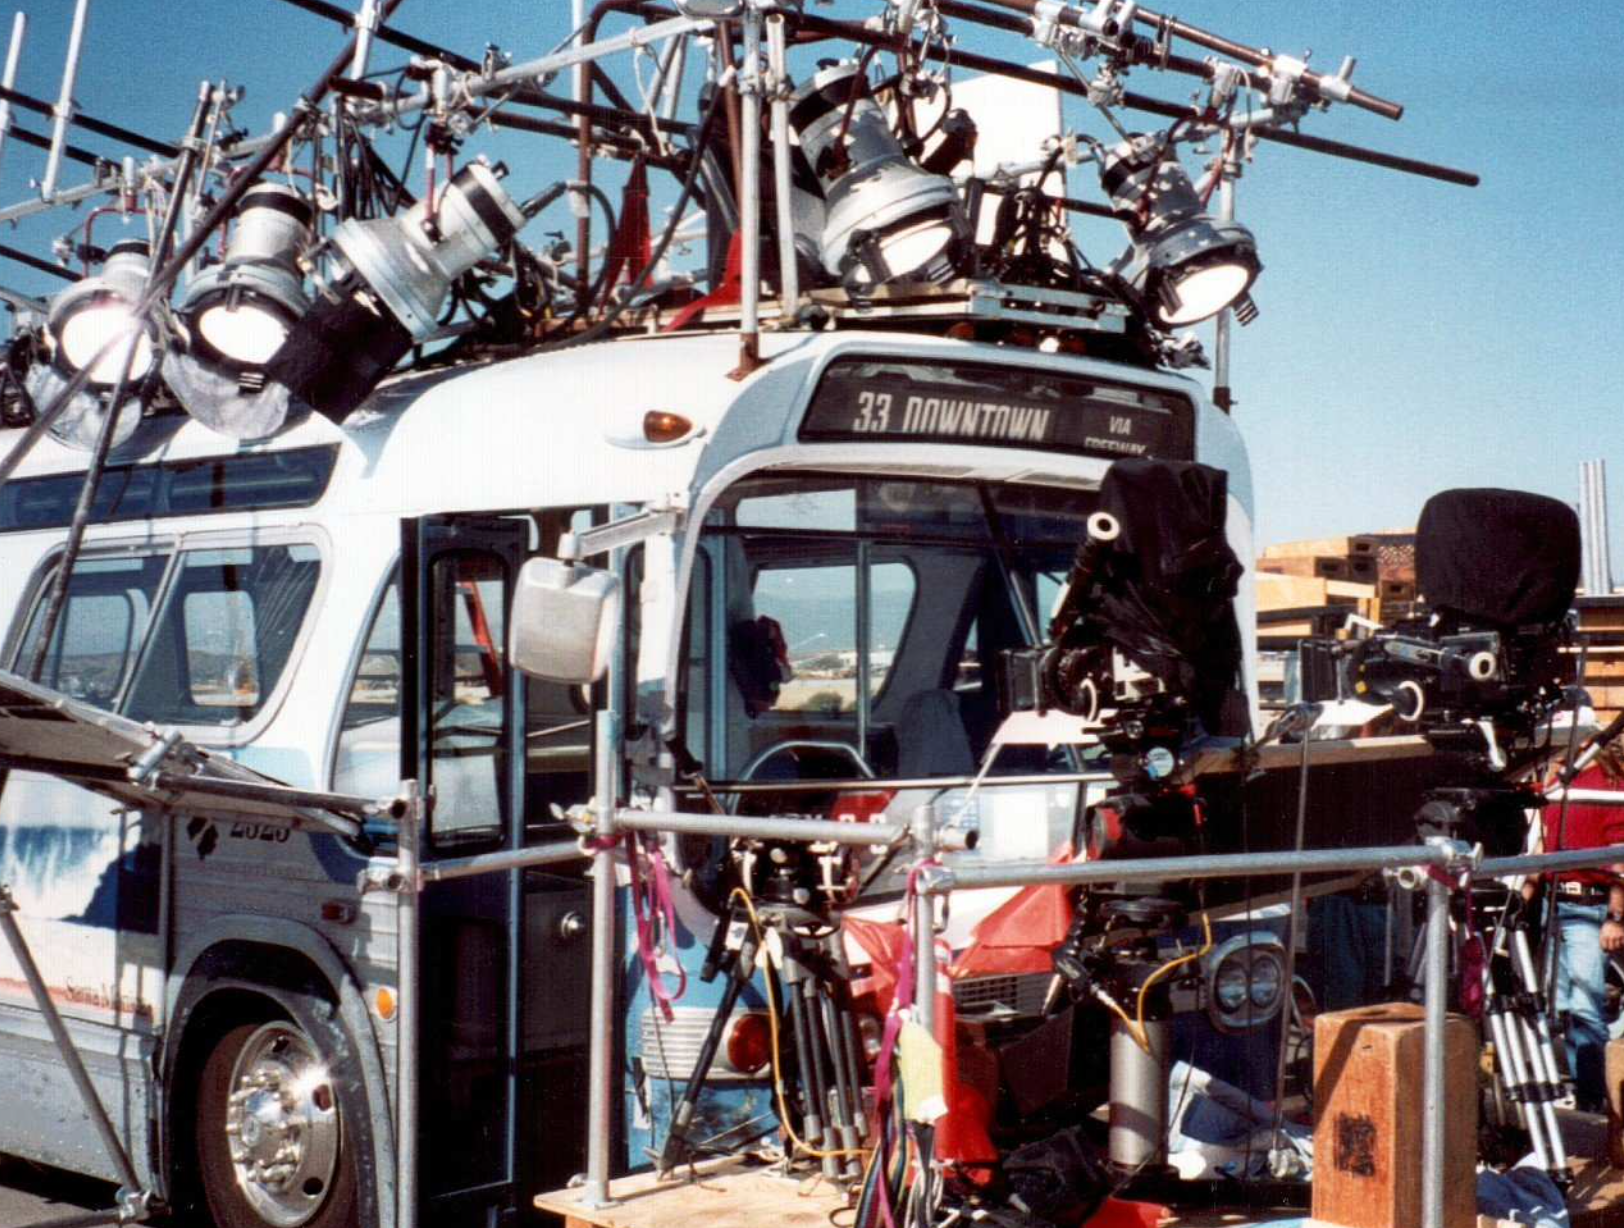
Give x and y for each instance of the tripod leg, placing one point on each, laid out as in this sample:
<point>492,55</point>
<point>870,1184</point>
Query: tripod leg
<point>812,1092</point>
<point>677,1149</point>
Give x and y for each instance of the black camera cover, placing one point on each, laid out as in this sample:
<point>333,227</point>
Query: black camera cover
<point>1166,597</point>
<point>1503,559</point>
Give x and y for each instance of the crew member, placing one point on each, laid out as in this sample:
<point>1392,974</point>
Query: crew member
<point>1590,913</point>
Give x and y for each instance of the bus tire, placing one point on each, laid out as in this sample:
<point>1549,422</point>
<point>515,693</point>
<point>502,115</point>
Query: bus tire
<point>271,1146</point>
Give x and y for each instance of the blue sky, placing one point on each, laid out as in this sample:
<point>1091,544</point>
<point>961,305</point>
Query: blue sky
<point>1414,335</point>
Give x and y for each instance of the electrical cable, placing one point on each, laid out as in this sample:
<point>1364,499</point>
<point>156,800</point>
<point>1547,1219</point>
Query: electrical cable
<point>743,896</point>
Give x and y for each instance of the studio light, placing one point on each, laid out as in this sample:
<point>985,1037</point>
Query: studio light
<point>389,280</point>
<point>82,320</point>
<point>1186,265</point>
<point>885,218</point>
<point>238,313</point>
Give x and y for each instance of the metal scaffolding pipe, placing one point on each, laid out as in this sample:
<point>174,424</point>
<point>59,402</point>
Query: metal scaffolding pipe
<point>64,1044</point>
<point>408,1025</point>
<point>823,831</point>
<point>555,853</point>
<point>601,1053</point>
<point>1434,1122</point>
<point>63,111</point>
<point>1157,869</point>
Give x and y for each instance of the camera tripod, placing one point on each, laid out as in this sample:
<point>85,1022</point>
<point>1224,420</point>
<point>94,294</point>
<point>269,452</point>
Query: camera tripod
<point>1528,1075</point>
<point>813,999</point>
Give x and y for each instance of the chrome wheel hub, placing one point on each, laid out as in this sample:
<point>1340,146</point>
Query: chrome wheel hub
<point>282,1125</point>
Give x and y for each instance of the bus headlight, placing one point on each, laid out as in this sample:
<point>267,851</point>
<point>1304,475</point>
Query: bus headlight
<point>1245,981</point>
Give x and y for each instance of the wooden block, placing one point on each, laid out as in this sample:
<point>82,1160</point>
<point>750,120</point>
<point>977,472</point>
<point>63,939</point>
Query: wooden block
<point>1615,1103</point>
<point>1368,1087</point>
<point>1289,592</point>
<point>1397,590</point>
<point>1305,565</point>
<point>1335,547</point>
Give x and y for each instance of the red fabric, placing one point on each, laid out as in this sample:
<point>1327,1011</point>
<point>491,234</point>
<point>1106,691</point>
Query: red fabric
<point>1117,1213</point>
<point>882,943</point>
<point>1586,827</point>
<point>725,295</point>
<point>962,1136</point>
<point>631,247</point>
<point>1021,934</point>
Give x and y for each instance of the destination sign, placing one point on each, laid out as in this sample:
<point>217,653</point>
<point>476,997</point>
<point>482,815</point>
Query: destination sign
<point>874,399</point>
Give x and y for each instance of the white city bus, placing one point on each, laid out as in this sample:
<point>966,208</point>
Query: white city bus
<point>329,609</point>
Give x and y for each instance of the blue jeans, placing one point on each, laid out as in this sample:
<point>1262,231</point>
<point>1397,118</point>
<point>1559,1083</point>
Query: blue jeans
<point>1347,940</point>
<point>1581,993</point>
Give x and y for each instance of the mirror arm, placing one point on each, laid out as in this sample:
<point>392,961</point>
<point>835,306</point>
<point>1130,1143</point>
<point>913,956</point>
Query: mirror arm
<point>627,531</point>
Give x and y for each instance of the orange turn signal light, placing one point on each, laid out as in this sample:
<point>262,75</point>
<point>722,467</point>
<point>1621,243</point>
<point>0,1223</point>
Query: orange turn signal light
<point>384,1003</point>
<point>663,426</point>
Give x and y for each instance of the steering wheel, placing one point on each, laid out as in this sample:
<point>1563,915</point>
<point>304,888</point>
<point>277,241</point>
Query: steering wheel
<point>843,748</point>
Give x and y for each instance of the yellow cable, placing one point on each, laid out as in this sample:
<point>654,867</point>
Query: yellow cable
<point>1136,1026</point>
<point>739,893</point>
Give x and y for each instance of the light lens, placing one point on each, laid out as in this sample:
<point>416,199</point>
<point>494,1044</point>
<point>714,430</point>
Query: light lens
<point>1267,975</point>
<point>1192,297</point>
<point>245,333</point>
<point>749,1043</point>
<point>1230,985</point>
<point>908,252</point>
<point>662,426</point>
<point>84,332</point>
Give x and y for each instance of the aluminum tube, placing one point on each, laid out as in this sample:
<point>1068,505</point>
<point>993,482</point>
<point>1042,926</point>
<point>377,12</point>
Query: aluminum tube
<point>899,784</point>
<point>1537,863</point>
<point>924,941</point>
<point>408,1024</point>
<point>477,85</point>
<point>789,287</point>
<point>1156,869</point>
<point>750,189</point>
<point>19,29</point>
<point>556,853</point>
<point>1137,1133</point>
<point>64,1044</point>
<point>820,830</point>
<point>601,1056</point>
<point>1433,1122</point>
<point>1227,170</point>
<point>1588,797</point>
<point>924,922</point>
<point>63,111</point>
<point>366,28</point>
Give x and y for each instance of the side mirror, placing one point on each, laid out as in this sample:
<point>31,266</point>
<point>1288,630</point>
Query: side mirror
<point>565,619</point>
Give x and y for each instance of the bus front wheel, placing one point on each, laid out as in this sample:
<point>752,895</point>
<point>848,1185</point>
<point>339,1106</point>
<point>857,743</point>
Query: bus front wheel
<point>270,1137</point>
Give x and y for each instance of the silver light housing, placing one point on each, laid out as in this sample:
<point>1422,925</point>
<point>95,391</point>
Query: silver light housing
<point>411,261</point>
<point>1186,265</point>
<point>1244,981</point>
<point>885,218</point>
<point>82,319</point>
<point>238,313</point>
<point>88,314</point>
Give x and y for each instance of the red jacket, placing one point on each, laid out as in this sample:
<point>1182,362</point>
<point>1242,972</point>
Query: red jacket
<point>1586,826</point>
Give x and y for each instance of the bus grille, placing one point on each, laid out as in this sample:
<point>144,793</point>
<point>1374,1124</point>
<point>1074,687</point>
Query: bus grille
<point>671,1050</point>
<point>1023,994</point>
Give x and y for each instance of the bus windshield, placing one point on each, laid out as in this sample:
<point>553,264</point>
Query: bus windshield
<point>846,627</point>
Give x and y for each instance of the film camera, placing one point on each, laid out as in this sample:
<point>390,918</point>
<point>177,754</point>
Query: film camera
<point>1143,639</point>
<point>1482,671</point>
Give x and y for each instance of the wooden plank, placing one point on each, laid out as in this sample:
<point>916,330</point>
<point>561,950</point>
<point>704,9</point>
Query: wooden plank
<point>728,1193</point>
<point>1289,592</point>
<point>1339,547</point>
<point>1360,567</point>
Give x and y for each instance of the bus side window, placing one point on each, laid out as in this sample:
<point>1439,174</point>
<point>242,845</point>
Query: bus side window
<point>100,630</point>
<point>225,635</point>
<point>368,760</point>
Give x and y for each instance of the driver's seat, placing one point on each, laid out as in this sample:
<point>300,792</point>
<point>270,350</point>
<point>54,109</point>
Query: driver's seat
<point>931,738</point>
